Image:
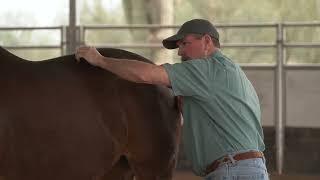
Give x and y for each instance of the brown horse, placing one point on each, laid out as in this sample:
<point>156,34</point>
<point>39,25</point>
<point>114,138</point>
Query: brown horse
<point>67,120</point>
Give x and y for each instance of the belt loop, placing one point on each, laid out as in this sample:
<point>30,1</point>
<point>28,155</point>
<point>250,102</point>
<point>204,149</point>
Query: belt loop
<point>233,161</point>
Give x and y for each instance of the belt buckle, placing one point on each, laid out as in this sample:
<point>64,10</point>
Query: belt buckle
<point>224,159</point>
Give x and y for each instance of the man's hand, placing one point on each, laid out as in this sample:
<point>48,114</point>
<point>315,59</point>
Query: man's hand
<point>90,54</point>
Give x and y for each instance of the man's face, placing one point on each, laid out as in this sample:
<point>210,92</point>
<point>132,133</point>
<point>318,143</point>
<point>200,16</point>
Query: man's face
<point>191,47</point>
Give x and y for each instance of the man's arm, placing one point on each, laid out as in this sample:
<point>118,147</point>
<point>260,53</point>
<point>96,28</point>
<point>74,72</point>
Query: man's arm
<point>132,70</point>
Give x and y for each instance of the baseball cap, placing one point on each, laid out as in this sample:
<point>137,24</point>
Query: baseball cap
<point>194,26</point>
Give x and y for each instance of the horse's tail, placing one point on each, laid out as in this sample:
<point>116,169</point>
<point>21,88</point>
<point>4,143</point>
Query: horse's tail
<point>179,103</point>
<point>179,106</point>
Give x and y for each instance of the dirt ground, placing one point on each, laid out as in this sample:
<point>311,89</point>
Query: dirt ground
<point>186,175</point>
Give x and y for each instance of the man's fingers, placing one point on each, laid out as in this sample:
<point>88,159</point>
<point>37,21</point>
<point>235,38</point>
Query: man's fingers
<point>78,55</point>
<point>84,48</point>
<point>84,51</point>
<point>80,50</point>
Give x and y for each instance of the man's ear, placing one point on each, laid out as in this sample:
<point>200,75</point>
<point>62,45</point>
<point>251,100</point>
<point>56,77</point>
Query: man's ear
<point>207,39</point>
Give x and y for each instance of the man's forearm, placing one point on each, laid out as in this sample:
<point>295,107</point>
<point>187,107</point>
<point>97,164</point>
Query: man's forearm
<point>131,70</point>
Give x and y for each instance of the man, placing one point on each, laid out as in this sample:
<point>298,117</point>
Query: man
<point>222,131</point>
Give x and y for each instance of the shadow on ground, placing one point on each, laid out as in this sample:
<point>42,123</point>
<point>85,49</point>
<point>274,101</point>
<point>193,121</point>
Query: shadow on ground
<point>187,175</point>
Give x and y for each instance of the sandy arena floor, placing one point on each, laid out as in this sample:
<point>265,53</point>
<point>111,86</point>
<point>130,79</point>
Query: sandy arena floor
<point>186,175</point>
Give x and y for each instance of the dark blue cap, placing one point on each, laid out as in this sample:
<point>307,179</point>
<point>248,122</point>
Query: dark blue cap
<point>194,26</point>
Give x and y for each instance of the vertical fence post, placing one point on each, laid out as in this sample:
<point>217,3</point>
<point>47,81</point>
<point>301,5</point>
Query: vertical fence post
<point>279,84</point>
<point>72,29</point>
<point>62,40</point>
<point>82,35</point>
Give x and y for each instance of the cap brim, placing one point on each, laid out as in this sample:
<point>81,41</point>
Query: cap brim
<point>171,42</point>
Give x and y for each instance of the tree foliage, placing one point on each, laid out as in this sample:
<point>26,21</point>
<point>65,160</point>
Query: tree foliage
<point>151,12</point>
<point>97,13</point>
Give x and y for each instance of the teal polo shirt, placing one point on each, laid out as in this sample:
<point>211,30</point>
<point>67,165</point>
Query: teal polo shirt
<point>221,109</point>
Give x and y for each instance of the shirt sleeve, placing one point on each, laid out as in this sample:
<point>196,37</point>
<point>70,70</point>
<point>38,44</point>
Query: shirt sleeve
<point>189,78</point>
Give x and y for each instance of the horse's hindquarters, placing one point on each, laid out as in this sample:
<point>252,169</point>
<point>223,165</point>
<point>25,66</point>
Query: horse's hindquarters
<point>154,129</point>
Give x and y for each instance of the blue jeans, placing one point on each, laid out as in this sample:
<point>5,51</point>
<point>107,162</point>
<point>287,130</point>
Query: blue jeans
<point>249,169</point>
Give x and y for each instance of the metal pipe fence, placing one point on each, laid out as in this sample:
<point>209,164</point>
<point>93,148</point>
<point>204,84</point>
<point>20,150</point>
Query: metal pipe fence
<point>279,68</point>
<point>25,47</point>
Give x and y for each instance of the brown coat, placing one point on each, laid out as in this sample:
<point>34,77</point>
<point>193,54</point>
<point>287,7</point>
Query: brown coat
<point>64,120</point>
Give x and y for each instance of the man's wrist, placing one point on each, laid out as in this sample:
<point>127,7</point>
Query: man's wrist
<point>101,60</point>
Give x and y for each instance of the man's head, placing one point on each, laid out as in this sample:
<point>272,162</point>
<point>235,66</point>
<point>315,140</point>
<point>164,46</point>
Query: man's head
<point>196,38</point>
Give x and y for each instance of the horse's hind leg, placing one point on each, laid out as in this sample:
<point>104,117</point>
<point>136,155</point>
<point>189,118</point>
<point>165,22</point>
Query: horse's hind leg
<point>152,177</point>
<point>151,174</point>
<point>120,171</point>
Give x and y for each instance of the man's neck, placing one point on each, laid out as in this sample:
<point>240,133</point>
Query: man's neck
<point>212,51</point>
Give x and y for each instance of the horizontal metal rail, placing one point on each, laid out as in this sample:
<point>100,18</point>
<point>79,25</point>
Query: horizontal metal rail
<point>33,47</point>
<point>249,45</point>
<point>258,66</point>
<point>30,28</point>
<point>161,26</point>
<point>158,45</point>
<point>135,26</point>
<point>262,66</point>
<point>129,45</point>
<point>302,66</point>
<point>287,67</point>
<point>227,45</point>
<point>303,44</point>
<point>247,25</point>
<point>300,24</point>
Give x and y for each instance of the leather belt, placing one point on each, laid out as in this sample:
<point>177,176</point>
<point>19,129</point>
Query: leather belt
<point>238,157</point>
